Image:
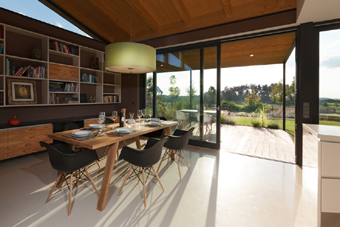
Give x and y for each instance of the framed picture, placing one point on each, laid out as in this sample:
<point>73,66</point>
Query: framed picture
<point>21,92</point>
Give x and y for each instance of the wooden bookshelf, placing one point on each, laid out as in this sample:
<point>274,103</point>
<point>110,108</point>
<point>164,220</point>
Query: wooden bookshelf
<point>68,64</point>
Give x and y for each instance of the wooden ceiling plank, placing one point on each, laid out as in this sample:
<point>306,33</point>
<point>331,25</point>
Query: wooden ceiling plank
<point>227,8</point>
<point>281,2</point>
<point>114,18</point>
<point>182,11</point>
<point>144,13</point>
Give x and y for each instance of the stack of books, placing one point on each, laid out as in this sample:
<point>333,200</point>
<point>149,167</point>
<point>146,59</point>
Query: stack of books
<point>26,71</point>
<point>55,86</point>
<point>61,47</point>
<point>110,98</point>
<point>1,48</point>
<point>89,78</point>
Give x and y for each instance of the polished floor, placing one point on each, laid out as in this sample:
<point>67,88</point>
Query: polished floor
<point>220,189</point>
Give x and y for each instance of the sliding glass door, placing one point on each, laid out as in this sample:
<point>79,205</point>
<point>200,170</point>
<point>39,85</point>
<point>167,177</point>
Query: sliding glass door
<point>187,92</point>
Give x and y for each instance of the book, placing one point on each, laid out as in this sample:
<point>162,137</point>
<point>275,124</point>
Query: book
<point>1,48</point>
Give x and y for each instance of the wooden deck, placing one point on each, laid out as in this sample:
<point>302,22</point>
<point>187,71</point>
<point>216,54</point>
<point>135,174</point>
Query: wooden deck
<point>266,143</point>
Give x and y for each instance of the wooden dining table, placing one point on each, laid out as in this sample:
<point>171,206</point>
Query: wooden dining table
<point>112,141</point>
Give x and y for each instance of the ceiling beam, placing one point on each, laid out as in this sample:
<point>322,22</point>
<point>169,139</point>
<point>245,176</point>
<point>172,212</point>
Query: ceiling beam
<point>109,12</point>
<point>182,11</point>
<point>227,8</point>
<point>141,10</point>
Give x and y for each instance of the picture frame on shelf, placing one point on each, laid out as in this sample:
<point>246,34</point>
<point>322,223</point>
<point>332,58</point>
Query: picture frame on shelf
<point>21,92</point>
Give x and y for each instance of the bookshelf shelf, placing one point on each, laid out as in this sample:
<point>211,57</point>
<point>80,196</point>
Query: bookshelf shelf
<point>59,66</point>
<point>25,77</point>
<point>89,69</point>
<point>113,85</point>
<point>62,92</point>
<point>63,54</point>
<point>25,59</point>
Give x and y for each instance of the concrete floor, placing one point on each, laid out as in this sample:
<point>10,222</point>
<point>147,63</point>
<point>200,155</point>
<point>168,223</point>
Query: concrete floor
<point>220,189</point>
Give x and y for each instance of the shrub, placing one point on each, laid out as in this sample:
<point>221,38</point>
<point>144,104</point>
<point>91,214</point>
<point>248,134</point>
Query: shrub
<point>255,122</point>
<point>263,116</point>
<point>227,120</point>
<point>273,126</point>
<point>232,106</point>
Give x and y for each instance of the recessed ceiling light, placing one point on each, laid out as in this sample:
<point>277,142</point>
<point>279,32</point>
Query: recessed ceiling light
<point>161,65</point>
<point>251,55</point>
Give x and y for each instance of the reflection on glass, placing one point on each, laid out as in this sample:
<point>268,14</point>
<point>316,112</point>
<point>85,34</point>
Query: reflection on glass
<point>329,101</point>
<point>178,79</point>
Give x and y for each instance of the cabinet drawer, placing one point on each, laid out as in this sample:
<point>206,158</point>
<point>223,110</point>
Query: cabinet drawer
<point>330,160</point>
<point>61,72</point>
<point>330,195</point>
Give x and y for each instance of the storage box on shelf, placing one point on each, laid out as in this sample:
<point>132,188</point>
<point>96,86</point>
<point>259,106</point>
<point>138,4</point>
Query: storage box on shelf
<point>45,60</point>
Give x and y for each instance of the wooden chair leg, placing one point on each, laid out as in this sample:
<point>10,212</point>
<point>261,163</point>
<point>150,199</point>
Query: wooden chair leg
<point>140,172</point>
<point>70,195</point>
<point>127,176</point>
<point>168,157</point>
<point>144,188</point>
<point>98,164</point>
<point>178,166</point>
<point>161,160</point>
<point>157,177</point>
<point>105,151</point>
<point>184,159</point>
<point>77,177</point>
<point>125,142</point>
<point>88,175</point>
<point>55,184</point>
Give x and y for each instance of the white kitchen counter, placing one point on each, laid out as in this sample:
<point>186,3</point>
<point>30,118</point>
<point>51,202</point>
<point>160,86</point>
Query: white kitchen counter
<point>325,133</point>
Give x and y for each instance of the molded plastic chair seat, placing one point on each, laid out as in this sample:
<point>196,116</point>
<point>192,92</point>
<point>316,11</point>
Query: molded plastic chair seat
<point>143,160</point>
<point>176,142</point>
<point>67,162</point>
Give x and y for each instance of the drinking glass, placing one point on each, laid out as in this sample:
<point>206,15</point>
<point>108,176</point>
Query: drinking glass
<point>101,119</point>
<point>144,113</point>
<point>114,115</point>
<point>131,116</point>
<point>139,115</point>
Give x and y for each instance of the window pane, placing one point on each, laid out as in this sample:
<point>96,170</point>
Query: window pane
<point>178,76</point>
<point>329,101</point>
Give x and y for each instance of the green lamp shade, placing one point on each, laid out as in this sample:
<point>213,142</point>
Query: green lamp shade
<point>128,57</point>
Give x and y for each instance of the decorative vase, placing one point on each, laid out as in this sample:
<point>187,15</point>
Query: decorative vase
<point>13,121</point>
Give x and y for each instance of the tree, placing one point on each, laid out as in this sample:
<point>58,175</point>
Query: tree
<point>251,98</point>
<point>174,91</point>
<point>149,84</point>
<point>276,94</point>
<point>211,96</point>
<point>191,95</point>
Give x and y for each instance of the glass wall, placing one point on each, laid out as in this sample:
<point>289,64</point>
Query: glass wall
<point>209,97</point>
<point>178,84</point>
<point>329,99</point>
<point>149,93</point>
<point>290,94</point>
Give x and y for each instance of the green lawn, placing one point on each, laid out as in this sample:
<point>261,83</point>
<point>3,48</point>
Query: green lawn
<point>290,124</point>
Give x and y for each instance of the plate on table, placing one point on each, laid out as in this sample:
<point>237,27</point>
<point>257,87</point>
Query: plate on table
<point>83,133</point>
<point>123,130</point>
<point>154,123</point>
<point>153,119</point>
<point>96,126</point>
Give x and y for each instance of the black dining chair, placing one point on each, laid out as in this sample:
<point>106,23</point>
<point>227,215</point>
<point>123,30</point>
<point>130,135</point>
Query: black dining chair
<point>68,163</point>
<point>71,126</point>
<point>142,161</point>
<point>176,142</point>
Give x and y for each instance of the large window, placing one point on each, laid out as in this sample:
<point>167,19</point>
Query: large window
<point>329,101</point>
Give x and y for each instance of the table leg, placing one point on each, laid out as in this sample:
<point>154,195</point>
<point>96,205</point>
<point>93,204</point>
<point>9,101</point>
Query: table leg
<point>171,152</point>
<point>110,162</point>
<point>137,142</point>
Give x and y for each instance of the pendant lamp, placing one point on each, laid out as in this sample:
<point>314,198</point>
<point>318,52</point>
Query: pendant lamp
<point>129,57</point>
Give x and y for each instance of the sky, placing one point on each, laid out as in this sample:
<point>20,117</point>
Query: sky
<point>37,10</point>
